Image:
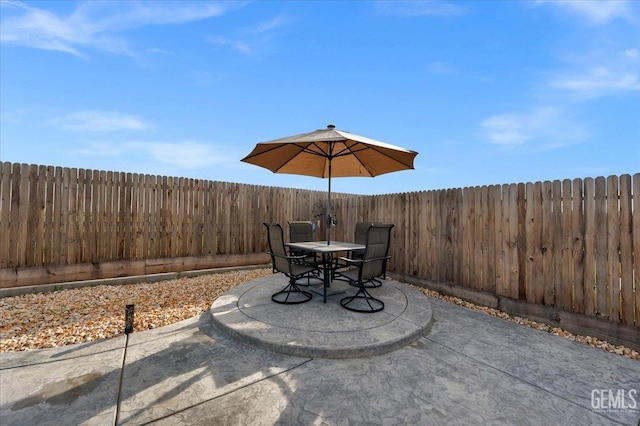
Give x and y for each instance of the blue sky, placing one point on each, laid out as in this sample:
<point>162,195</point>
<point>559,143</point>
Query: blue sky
<point>487,92</point>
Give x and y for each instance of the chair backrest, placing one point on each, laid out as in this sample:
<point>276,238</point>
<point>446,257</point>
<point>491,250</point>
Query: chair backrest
<point>275,236</point>
<point>300,231</point>
<point>377,247</point>
<point>361,232</point>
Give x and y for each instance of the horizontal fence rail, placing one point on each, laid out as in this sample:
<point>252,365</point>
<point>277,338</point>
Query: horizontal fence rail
<point>571,244</point>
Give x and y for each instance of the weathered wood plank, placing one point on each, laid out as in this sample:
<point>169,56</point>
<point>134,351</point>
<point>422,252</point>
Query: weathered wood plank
<point>468,209</point>
<point>600,237</point>
<point>537,244</point>
<point>627,301</point>
<point>613,248</point>
<point>546,248</point>
<point>475,247</point>
<point>57,217</point>
<point>48,220</point>
<point>36,214</point>
<point>23,240</point>
<point>589,247</point>
<point>636,246</point>
<point>489,249</point>
<point>577,248</point>
<point>506,241</point>
<point>514,223</point>
<point>83,224</point>
<point>499,245</point>
<point>558,267</point>
<point>531,264</point>
<point>21,277</point>
<point>521,243</point>
<point>484,232</point>
<point>5,212</point>
<point>565,299</point>
<point>109,214</point>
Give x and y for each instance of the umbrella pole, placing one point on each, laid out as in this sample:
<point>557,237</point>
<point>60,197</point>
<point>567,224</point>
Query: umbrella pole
<point>329,219</point>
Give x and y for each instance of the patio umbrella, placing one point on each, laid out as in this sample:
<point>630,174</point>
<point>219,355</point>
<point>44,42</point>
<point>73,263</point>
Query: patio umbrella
<point>328,153</point>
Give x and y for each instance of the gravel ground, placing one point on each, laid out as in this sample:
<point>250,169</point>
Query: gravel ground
<point>65,317</point>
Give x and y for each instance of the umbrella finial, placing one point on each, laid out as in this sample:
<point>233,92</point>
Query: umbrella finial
<point>331,127</point>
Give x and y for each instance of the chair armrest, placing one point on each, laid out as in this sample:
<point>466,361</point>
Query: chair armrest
<point>350,261</point>
<point>288,257</point>
<point>376,259</point>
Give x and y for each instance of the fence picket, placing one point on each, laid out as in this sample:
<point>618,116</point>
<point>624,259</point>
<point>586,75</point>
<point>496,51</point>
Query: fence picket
<point>589,247</point>
<point>5,210</point>
<point>600,236</point>
<point>577,249</point>
<point>636,245</point>
<point>613,248</point>
<point>626,253</point>
<point>546,249</point>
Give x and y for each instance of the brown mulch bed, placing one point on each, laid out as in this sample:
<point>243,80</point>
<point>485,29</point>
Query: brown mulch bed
<point>65,317</point>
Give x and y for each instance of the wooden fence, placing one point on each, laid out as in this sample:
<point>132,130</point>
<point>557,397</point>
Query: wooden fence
<point>568,244</point>
<point>56,216</point>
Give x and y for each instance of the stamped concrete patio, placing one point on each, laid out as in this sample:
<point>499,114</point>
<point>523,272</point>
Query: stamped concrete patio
<point>421,361</point>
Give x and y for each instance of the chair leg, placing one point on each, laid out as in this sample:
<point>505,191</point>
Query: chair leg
<point>291,291</point>
<point>362,302</point>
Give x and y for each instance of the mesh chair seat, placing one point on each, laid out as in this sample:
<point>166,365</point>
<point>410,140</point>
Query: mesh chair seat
<point>290,266</point>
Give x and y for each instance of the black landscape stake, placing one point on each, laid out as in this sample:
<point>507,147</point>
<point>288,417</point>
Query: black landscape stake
<point>128,319</point>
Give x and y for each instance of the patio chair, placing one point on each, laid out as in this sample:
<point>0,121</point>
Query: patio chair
<point>360,237</point>
<point>367,269</point>
<point>301,231</point>
<point>281,262</point>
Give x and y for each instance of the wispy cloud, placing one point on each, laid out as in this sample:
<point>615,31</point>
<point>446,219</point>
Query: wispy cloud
<point>251,40</point>
<point>419,8</point>
<point>184,155</point>
<point>600,73</point>
<point>631,54</point>
<point>99,121</point>
<point>441,68</point>
<point>272,24</point>
<point>596,11</point>
<point>236,45</point>
<point>94,24</point>
<point>597,82</point>
<point>541,128</point>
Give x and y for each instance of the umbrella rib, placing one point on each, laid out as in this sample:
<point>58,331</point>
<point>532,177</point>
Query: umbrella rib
<point>320,152</point>
<point>303,148</point>
<point>266,151</point>
<point>389,157</point>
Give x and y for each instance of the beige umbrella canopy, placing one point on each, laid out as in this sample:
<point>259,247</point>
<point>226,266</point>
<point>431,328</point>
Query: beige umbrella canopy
<point>328,153</point>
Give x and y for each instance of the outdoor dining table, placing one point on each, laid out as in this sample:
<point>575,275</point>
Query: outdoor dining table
<point>327,251</point>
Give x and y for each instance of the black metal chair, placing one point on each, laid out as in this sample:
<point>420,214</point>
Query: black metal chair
<point>360,237</point>
<point>289,266</point>
<point>370,267</point>
<point>302,231</point>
